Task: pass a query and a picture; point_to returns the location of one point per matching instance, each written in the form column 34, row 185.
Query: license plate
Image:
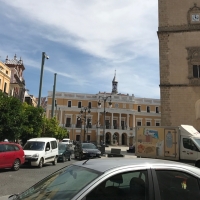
column 92, row 154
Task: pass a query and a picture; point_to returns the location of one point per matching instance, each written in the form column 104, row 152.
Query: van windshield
column 34, row 146
column 197, row 140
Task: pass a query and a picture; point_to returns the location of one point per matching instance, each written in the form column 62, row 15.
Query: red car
column 11, row 155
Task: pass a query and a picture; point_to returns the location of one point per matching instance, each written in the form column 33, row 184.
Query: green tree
column 11, row 117
column 23, row 121
column 33, row 122
column 52, row 129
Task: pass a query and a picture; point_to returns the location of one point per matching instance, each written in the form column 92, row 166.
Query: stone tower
column 179, row 53
column 114, row 84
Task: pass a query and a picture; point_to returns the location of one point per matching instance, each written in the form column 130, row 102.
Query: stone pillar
column 120, row 139
column 120, row 119
column 111, row 120
column 111, row 139
column 127, row 122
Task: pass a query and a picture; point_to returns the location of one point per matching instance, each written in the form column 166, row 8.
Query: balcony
column 68, row 125
column 78, row 125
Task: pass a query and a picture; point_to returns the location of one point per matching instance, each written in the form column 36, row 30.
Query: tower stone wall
column 179, row 52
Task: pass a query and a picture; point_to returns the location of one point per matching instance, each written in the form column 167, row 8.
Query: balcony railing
column 78, row 125
column 68, row 125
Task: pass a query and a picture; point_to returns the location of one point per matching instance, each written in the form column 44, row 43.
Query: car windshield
column 88, row 146
column 62, row 147
column 63, row 184
column 35, row 146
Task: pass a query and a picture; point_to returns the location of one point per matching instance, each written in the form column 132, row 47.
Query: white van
column 67, row 141
column 39, row 151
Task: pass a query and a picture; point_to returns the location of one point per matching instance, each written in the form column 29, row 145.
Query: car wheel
column 40, row 165
column 55, row 161
column 69, row 158
column 64, row 158
column 80, row 156
column 16, row 165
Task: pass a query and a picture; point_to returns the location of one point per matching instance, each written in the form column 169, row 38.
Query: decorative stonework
column 193, row 15
column 193, row 59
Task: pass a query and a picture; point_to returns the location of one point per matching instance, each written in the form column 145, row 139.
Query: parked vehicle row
column 36, row 152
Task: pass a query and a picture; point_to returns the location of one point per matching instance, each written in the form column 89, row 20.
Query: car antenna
column 85, row 161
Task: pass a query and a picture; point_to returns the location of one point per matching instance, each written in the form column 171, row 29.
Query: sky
column 86, row 41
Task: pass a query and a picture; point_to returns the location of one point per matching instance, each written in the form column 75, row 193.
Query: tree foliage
column 20, row 121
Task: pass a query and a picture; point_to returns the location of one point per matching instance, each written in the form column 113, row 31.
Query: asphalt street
column 14, row 182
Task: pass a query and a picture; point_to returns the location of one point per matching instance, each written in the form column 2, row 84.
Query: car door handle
column 183, row 151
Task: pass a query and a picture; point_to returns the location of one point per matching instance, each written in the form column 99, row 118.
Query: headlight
column 85, row 151
column 98, row 152
column 60, row 153
column 35, row 155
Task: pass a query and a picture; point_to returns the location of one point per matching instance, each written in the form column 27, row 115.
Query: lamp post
column 81, row 120
column 97, row 126
column 41, row 76
column 104, row 98
column 83, row 110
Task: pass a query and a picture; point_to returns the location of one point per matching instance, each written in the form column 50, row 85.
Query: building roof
column 14, row 62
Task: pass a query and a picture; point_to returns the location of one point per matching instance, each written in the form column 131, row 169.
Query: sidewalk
column 123, row 151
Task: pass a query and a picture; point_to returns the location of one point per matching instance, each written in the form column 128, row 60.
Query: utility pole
column 41, row 76
column 53, row 97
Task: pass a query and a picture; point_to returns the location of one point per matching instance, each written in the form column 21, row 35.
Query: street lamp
column 83, row 110
column 81, row 120
column 41, row 76
column 104, row 98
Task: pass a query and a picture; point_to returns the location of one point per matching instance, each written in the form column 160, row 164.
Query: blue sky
column 86, row 40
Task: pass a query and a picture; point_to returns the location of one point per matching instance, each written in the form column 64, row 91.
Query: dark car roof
column 103, row 165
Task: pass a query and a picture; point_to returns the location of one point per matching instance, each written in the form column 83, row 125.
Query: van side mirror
column 47, row 149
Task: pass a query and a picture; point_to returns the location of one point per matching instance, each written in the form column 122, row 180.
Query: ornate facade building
column 89, row 117
column 17, row 82
column 179, row 47
column 5, row 74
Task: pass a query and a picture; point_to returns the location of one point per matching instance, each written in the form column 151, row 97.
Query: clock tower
column 179, row 60
column 114, row 84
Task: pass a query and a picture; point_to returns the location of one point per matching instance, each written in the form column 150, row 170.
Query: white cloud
column 119, row 34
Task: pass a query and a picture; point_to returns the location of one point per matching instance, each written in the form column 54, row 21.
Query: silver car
column 119, row 179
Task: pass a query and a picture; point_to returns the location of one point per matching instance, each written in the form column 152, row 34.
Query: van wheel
column 55, row 161
column 16, row 165
column 40, row 165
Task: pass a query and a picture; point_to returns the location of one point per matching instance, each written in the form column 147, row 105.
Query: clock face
column 195, row 17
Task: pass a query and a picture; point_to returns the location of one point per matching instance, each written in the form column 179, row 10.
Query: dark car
column 119, row 179
column 11, row 155
column 64, row 152
column 86, row 150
